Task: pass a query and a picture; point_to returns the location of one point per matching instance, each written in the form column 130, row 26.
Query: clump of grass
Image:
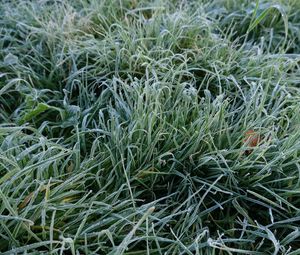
column 125, row 127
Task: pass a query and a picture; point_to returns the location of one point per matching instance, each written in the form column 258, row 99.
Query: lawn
column 149, row 127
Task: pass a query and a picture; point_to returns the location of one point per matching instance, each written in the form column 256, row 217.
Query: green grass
column 123, row 127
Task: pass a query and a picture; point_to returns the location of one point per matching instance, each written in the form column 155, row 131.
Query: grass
column 125, row 127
